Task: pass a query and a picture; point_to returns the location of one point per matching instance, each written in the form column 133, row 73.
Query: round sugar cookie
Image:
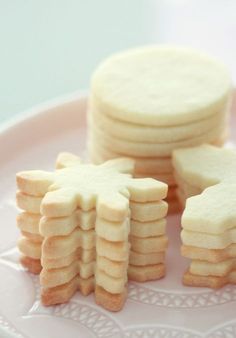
column 153, row 134
column 149, row 165
column 161, row 86
column 129, row 148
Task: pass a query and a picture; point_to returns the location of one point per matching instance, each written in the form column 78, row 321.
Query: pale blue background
column 49, row 47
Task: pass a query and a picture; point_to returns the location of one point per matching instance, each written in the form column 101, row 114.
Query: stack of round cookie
column 147, row 102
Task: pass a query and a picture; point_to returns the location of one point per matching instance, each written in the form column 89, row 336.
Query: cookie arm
column 65, row 160
column 34, row 182
column 147, row 189
column 113, row 207
column 59, row 203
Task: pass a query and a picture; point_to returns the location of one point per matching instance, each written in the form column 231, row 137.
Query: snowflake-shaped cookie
column 72, row 201
column 209, row 219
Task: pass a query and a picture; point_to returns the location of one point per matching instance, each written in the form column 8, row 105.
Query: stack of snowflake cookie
column 91, row 227
column 147, row 102
column 209, row 219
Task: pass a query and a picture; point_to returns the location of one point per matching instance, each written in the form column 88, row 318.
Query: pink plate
column 160, row 309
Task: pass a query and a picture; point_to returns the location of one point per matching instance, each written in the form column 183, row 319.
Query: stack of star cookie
column 208, row 220
column 208, row 237
column 147, row 102
column 137, row 242
column 90, row 217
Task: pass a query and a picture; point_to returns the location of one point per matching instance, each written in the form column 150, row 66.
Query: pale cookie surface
column 210, row 255
column 147, row 165
column 167, row 178
column 29, row 248
column 151, row 211
column 139, row 259
column 148, row 229
column 129, row 148
column 153, row 134
column 49, row 227
column 149, row 245
column 212, row 212
column 204, row 268
column 160, row 86
column 205, row 165
column 99, row 186
column 84, row 255
column 213, row 282
column 209, row 241
column 149, row 272
column 208, row 221
column 187, row 189
column 28, row 222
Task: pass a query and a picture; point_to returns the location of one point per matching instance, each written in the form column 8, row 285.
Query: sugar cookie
column 76, row 221
column 152, row 134
column 129, row 148
column 163, row 85
column 208, row 221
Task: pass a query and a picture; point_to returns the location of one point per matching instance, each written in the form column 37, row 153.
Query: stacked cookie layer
column 208, row 221
column 147, row 102
column 88, row 217
column 148, row 240
column 112, row 246
column 68, row 255
column 209, row 237
column 28, row 222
